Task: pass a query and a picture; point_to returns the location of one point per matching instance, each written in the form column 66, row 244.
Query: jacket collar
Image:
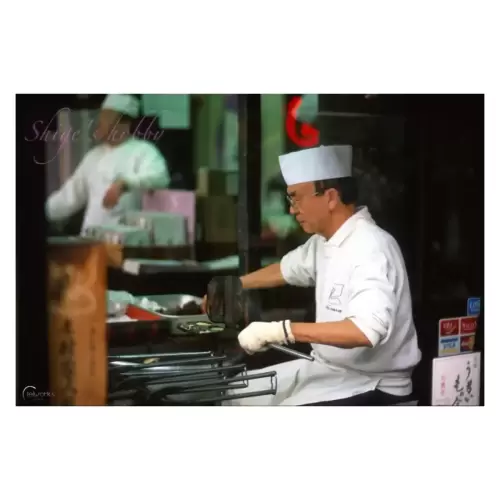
column 345, row 230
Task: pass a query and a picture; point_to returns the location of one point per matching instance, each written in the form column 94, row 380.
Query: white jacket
column 137, row 162
column 360, row 274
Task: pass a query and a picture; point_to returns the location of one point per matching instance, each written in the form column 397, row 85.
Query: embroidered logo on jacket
column 334, row 301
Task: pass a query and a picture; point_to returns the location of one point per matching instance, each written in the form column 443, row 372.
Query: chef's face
column 311, row 209
column 109, row 127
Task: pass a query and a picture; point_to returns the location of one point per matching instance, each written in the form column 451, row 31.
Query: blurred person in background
column 277, row 222
column 112, row 176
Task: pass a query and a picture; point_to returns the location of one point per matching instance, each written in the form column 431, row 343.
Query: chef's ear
column 333, row 198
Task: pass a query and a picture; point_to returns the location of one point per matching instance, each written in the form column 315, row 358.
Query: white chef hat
column 316, row 164
column 122, row 103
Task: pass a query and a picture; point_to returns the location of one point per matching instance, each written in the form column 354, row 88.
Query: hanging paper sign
column 455, row 380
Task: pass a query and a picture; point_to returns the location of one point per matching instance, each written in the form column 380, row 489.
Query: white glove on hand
column 257, row 335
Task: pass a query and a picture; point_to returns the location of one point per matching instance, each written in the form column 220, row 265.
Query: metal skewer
column 291, row 352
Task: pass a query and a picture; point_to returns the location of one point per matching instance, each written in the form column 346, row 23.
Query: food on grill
column 215, row 328
column 151, row 360
column 200, row 327
column 151, row 305
column 188, row 309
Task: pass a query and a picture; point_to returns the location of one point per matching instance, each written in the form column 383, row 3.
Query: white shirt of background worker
column 111, row 177
column 364, row 342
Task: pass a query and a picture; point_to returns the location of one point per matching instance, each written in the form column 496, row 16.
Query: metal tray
column 170, row 302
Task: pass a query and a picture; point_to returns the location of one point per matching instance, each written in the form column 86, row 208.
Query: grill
column 180, row 379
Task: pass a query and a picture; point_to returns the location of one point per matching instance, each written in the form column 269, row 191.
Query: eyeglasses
column 296, row 203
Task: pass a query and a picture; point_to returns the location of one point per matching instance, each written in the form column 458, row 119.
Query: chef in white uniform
column 364, row 342
column 112, row 176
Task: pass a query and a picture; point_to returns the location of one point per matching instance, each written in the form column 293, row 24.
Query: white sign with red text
column 455, row 380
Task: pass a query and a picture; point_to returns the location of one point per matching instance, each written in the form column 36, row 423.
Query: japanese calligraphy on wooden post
column 455, row 380
column 77, row 326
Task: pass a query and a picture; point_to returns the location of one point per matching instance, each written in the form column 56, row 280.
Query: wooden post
column 77, row 282
column 249, row 195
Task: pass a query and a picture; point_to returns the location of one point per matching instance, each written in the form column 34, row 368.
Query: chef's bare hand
column 113, row 194
column 258, row 335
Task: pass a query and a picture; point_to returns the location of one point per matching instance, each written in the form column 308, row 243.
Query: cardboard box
column 163, row 228
column 117, row 255
column 211, row 182
column 175, row 202
column 232, row 183
column 218, row 217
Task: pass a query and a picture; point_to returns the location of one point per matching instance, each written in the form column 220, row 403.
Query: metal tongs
column 229, row 304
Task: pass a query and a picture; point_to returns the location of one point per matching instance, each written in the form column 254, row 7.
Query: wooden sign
column 77, row 286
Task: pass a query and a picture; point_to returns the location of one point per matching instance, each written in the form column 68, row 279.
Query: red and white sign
column 468, row 325
column 448, row 327
column 301, row 134
column 456, row 335
column 467, row 343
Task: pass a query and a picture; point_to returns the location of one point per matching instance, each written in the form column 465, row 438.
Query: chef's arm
column 70, row 198
column 151, row 173
column 370, row 311
column 267, row 277
column 336, row 333
column 296, row 268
